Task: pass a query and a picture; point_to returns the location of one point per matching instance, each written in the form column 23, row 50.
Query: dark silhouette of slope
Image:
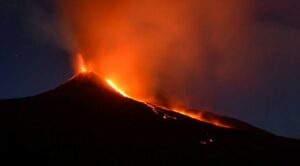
column 85, row 122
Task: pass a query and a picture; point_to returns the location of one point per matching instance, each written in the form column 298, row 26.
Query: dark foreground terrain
column 85, row 122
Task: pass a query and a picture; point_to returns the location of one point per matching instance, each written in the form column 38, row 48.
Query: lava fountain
column 80, row 66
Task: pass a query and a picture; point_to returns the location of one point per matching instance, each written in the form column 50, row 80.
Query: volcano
column 85, row 121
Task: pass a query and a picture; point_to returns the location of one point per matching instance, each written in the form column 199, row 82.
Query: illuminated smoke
column 161, row 50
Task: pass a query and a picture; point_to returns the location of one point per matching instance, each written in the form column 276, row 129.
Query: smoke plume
column 157, row 48
column 207, row 54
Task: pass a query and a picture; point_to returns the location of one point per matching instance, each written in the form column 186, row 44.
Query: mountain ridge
column 94, row 80
column 86, row 121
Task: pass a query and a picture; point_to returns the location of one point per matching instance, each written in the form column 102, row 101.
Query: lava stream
column 157, row 110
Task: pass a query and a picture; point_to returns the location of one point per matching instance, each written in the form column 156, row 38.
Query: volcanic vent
column 85, row 120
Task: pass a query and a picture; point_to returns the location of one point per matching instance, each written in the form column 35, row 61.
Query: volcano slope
column 85, row 121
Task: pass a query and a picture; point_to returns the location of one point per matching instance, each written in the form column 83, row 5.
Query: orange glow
column 198, row 116
column 81, row 67
column 155, row 51
column 113, row 85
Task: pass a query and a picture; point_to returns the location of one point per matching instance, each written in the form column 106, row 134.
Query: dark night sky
column 31, row 63
column 28, row 64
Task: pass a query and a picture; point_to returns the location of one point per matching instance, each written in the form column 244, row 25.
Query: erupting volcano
column 90, row 120
column 141, row 68
column 195, row 114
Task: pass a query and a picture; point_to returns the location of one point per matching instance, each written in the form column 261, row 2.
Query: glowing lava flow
column 158, row 110
column 200, row 116
column 110, row 83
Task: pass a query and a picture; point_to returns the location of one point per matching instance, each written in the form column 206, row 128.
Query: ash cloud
column 237, row 58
